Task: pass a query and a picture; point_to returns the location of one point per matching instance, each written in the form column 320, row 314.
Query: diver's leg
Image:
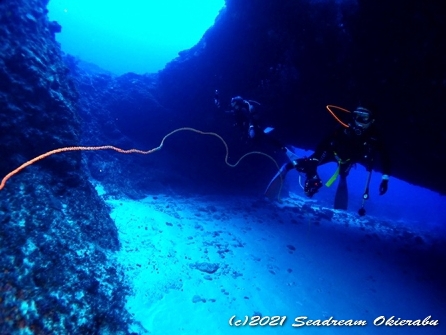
column 341, row 196
column 344, row 169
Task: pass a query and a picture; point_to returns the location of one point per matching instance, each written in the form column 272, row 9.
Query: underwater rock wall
column 122, row 111
column 295, row 57
column 57, row 271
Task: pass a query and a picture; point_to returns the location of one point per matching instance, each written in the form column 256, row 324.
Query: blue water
column 136, row 36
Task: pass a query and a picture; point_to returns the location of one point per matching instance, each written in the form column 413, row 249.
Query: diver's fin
column 291, row 155
column 254, row 102
column 275, row 185
column 341, row 197
column 267, row 130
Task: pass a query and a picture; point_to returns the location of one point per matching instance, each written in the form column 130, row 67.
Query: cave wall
column 122, row 111
column 297, row 56
column 49, row 211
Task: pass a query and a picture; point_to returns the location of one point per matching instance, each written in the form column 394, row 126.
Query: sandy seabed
column 196, row 265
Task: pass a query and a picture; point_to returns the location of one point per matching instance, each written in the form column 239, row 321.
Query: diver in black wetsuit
column 246, row 116
column 358, row 142
column 247, row 119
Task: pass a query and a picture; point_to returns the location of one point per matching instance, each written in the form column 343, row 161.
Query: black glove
column 383, row 186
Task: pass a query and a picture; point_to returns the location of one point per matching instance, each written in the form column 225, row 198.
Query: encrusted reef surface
column 57, row 270
column 295, row 57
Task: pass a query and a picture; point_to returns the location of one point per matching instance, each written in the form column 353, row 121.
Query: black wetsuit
column 346, row 146
column 245, row 118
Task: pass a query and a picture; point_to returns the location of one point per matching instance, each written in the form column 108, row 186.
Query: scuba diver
column 246, row 116
column 247, row 119
column 355, row 142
